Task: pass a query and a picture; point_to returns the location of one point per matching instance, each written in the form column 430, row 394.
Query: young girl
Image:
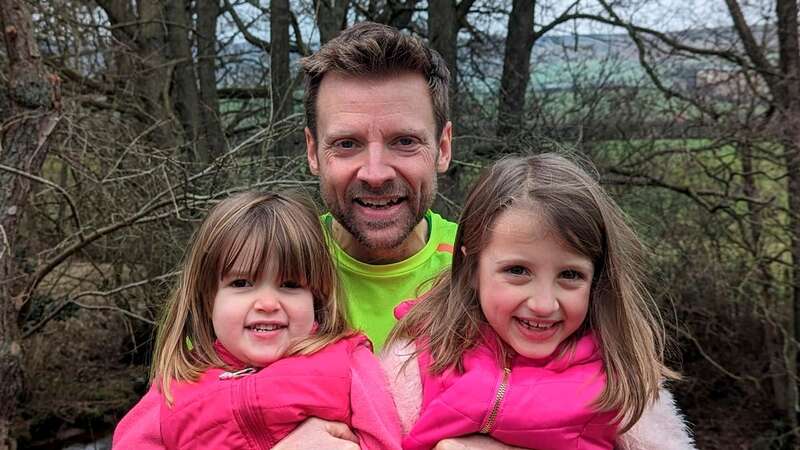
column 541, row 335
column 254, row 340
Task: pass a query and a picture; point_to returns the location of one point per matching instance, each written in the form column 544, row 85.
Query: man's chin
column 387, row 238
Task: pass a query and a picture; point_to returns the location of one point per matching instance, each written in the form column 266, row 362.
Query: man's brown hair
column 370, row 48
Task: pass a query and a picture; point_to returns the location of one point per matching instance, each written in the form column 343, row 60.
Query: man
column 377, row 135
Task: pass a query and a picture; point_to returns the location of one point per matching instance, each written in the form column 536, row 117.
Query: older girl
column 542, row 334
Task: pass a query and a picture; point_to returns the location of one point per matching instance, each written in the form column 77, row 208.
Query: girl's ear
column 464, row 250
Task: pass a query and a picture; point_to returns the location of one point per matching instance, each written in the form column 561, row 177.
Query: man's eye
column 346, row 144
column 405, row 141
column 517, row 270
column 240, row 283
column 572, row 275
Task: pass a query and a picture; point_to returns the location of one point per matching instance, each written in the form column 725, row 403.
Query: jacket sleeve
column 405, row 383
column 374, row 416
column 141, row 426
column 661, row 427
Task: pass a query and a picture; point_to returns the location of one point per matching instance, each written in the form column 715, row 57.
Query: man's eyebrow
column 410, row 130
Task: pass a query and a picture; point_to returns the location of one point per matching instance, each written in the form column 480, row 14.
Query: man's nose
column 377, row 169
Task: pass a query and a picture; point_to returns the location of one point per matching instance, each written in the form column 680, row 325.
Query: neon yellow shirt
column 373, row 291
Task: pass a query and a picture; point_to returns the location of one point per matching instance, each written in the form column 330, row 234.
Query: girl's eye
column 290, row 284
column 517, row 270
column 572, row 275
column 240, row 283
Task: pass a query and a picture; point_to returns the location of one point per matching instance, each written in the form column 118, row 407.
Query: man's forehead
column 394, row 98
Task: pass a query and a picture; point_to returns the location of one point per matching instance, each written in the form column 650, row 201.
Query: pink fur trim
column 405, row 383
column 661, row 427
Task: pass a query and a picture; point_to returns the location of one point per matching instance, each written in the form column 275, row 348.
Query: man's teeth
column 536, row 325
column 379, row 203
column 265, row 328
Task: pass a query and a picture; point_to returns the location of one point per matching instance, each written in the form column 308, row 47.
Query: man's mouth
column 379, row 203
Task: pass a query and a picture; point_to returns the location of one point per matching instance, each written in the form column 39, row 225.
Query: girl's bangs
column 261, row 244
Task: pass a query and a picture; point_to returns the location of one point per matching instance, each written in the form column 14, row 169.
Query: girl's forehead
column 523, row 223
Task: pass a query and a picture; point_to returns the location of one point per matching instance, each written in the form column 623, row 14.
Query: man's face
column 377, row 154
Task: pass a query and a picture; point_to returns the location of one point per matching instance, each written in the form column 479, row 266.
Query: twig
column 49, row 183
column 73, row 300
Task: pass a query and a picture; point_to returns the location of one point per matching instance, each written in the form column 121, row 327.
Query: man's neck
column 415, row 241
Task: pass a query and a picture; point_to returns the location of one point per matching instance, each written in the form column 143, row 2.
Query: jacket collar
column 227, row 357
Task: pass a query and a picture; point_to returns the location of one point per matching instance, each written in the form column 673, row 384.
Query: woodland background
column 124, row 120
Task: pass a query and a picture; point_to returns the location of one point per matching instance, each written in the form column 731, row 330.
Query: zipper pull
column 236, row 374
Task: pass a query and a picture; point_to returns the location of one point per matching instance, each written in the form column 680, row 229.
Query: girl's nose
column 542, row 300
column 267, row 301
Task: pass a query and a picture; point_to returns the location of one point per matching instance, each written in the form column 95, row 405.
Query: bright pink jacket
column 545, row 404
column 661, row 426
column 342, row 382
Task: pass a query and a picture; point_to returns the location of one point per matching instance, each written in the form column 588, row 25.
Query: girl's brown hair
column 622, row 313
column 244, row 234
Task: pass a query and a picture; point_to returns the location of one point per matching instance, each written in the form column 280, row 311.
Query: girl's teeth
column 534, row 325
column 265, row 328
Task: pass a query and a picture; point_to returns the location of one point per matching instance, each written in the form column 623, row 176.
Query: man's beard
column 405, row 221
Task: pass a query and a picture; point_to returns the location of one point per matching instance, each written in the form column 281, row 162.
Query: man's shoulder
column 442, row 230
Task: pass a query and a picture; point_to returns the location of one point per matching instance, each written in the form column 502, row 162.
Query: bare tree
column 445, row 20
column 280, row 79
column 34, row 102
column 331, row 17
column 207, row 14
column 516, row 67
column 185, row 93
column 757, row 69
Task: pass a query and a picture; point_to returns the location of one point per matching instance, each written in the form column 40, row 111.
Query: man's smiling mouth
column 378, row 203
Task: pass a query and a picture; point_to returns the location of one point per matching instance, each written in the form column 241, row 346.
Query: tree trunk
column 207, row 13
column 185, row 95
column 331, row 18
column 34, row 101
column 153, row 80
column 280, row 80
column 516, row 67
column 395, row 13
column 792, row 156
column 140, row 62
column 789, row 95
column 442, row 35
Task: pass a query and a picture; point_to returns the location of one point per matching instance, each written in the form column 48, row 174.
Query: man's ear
column 311, row 152
column 445, row 148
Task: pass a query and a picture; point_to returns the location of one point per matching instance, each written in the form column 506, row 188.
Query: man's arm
column 474, row 442
column 318, row 433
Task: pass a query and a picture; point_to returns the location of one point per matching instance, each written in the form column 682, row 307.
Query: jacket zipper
column 498, row 400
